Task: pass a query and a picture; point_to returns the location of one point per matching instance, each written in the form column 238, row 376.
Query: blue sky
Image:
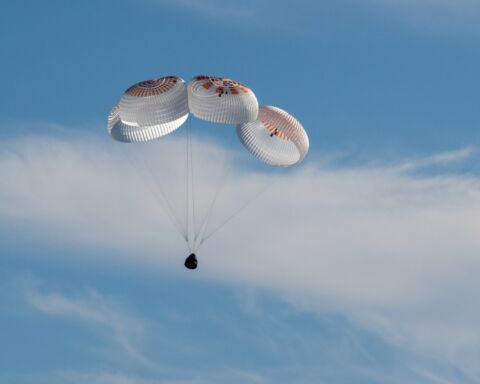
column 360, row 265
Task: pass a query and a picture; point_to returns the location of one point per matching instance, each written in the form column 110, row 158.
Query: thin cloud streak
column 443, row 158
column 429, row 15
column 215, row 9
column 114, row 378
column 444, row 17
column 433, row 378
column 95, row 309
column 222, row 376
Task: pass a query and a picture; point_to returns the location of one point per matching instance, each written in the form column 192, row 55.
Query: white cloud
column 221, row 376
column 93, row 308
column 225, row 11
column 432, row 4
column 433, row 378
column 295, row 16
column 434, row 15
column 113, row 378
column 443, row 158
column 396, row 252
column 248, row 14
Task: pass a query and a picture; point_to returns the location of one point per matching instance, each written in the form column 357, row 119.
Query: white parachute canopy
column 276, row 137
column 221, row 100
column 149, row 110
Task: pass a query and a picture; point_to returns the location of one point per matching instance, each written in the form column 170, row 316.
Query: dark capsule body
column 191, row 261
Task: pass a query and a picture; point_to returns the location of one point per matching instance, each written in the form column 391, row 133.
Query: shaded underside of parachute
column 276, row 137
column 149, row 110
column 127, row 133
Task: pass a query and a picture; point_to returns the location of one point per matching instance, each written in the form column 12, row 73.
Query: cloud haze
column 394, row 251
column 93, row 308
column 429, row 15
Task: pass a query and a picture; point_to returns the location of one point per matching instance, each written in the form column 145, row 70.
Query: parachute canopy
column 276, row 137
column 221, row 100
column 149, row 110
column 154, row 108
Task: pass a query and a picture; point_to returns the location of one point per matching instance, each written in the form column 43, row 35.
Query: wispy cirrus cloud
column 433, row 15
column 434, row 378
column 223, row 11
column 70, row 377
column 394, row 252
column 123, row 329
column 429, row 15
column 230, row 376
column 439, row 159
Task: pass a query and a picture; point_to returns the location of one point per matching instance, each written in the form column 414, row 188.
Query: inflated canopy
column 153, row 108
column 221, row 100
column 276, row 137
column 149, row 109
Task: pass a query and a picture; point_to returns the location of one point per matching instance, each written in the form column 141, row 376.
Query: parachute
column 276, row 137
column 151, row 109
column 238, row 104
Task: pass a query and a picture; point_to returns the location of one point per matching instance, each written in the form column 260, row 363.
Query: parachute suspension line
column 193, row 185
column 190, row 206
column 221, row 183
column 187, row 190
column 226, row 221
column 163, row 201
column 171, row 212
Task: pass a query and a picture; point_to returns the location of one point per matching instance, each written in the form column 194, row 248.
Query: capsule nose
column 191, row 261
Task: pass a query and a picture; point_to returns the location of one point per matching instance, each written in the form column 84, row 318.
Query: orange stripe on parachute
column 274, row 130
